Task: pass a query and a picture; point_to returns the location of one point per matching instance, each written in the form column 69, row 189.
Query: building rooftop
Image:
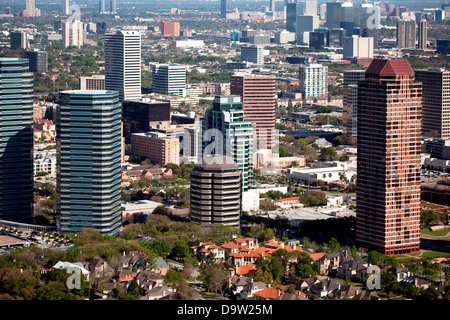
column 390, row 67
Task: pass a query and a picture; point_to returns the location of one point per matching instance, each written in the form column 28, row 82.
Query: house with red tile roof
column 205, row 249
column 268, row 293
column 243, row 270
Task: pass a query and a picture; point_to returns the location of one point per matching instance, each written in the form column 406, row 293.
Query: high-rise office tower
column 350, row 102
column 272, row 5
column 313, row 80
column 225, row 131
column 435, row 102
column 170, row 29
column 258, row 99
column 88, row 180
column 356, row 46
column 216, row 197
column 169, row 79
column 19, row 40
column 252, row 53
column 406, row 34
column 123, row 64
column 310, row 7
column 101, row 7
column 31, row 7
column 333, row 14
column 223, row 9
column 388, row 168
column 369, row 21
column 422, row 31
column 65, row 8
column 95, row 82
column 293, row 10
column 16, row 140
column 305, row 24
column 72, row 33
column 38, row 60
column 113, row 8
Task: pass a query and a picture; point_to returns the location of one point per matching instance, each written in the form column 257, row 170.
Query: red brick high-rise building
column 258, row 99
column 170, row 29
column 388, row 170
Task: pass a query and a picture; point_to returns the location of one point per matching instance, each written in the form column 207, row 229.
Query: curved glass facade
column 88, row 161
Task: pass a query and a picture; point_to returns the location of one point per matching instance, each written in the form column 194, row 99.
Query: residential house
column 99, row 268
column 147, row 280
column 415, row 281
column 205, row 250
column 268, row 293
column 330, row 262
column 78, row 266
column 243, row 270
column 158, row 292
column 126, row 275
column 304, row 284
column 292, row 296
column 345, row 291
column 237, row 284
column 250, row 288
column 353, row 269
column 161, row 266
column 325, row 287
column 366, row 295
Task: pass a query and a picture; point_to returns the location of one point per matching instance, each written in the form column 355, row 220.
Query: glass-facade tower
column 88, row 161
column 16, row 140
column 233, row 136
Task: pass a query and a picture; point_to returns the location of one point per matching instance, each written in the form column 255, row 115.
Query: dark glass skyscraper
column 16, row 140
column 88, row 161
column 292, row 11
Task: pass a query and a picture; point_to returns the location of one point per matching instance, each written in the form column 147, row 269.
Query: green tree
column 428, row 217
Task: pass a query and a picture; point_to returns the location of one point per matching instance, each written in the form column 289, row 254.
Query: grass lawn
column 212, row 296
column 437, row 233
column 435, row 254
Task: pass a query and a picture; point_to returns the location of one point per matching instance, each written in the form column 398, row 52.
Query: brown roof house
column 99, row 268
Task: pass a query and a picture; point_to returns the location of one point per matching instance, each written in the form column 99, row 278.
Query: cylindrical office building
column 216, row 192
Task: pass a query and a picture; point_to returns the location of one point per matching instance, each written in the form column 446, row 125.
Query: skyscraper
column 38, row 61
column 72, row 33
column 313, row 80
column 310, row 7
column 31, row 7
column 305, row 24
column 88, row 161
column 258, row 100
column 16, row 140
column 169, row 79
column 388, row 168
column 101, row 7
column 435, row 102
column 293, row 9
column 406, row 34
column 223, row 9
column 422, row 31
column 272, row 5
column 65, row 7
column 252, row 53
column 216, row 197
column 123, row 64
column 113, row 7
column 19, row 39
column 350, row 102
column 333, row 14
column 356, row 46
column 225, row 131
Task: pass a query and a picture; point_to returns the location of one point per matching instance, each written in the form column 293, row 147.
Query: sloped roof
column 269, row 293
column 392, row 67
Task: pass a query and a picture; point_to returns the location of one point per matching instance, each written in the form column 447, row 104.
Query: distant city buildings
column 38, row 61
column 252, row 53
column 422, row 34
column 223, row 9
column 16, row 140
column 389, row 162
column 73, row 33
column 435, row 102
column 358, row 47
column 95, row 82
column 170, row 29
column 65, row 11
column 88, row 161
column 123, row 64
column 258, row 100
column 19, row 40
column 157, row 147
column 406, row 34
column 305, row 24
column 169, row 79
column 313, row 80
column 350, row 102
